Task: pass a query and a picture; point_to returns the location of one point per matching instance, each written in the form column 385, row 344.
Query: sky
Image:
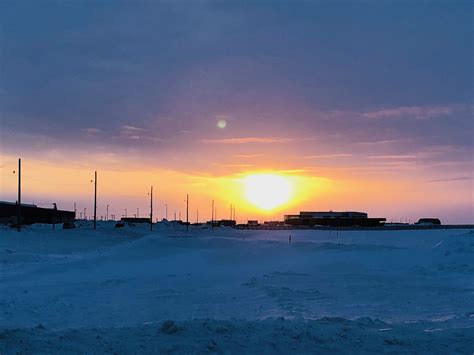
column 361, row 105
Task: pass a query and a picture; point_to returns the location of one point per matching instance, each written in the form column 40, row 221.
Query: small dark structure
column 69, row 225
column 135, row 219
column 222, row 223
column 252, row 223
column 274, row 223
column 33, row 214
column 333, row 219
column 429, row 222
column 226, row 223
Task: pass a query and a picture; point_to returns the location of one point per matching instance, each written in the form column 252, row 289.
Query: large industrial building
column 33, row 214
column 333, row 219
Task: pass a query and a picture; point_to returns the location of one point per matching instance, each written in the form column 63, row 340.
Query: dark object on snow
column 119, row 225
column 69, row 225
column 429, row 222
column 169, row 327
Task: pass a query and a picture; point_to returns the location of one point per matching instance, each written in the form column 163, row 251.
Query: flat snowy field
column 233, row 291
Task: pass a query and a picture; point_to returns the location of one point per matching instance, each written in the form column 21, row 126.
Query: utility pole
column 230, row 212
column 151, row 208
column 166, row 209
column 125, row 213
column 75, row 211
column 187, row 212
column 95, row 199
column 85, row 208
column 107, row 214
column 212, row 215
column 138, row 212
column 19, row 194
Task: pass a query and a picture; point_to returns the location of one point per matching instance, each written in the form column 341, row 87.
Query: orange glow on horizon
column 256, row 194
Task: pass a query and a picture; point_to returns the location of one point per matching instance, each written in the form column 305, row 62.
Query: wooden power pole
column 187, row 213
column 151, row 208
column 19, row 194
column 95, row 199
column 212, row 215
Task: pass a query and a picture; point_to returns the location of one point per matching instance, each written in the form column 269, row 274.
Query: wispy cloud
column 248, row 155
column 460, row 178
column 234, row 165
column 418, row 112
column 327, row 156
column 245, row 140
column 128, row 128
column 383, row 141
column 131, row 132
column 91, row 130
column 393, row 157
column 138, row 133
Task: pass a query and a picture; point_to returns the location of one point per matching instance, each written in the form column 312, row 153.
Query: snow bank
column 110, row 290
column 323, row 336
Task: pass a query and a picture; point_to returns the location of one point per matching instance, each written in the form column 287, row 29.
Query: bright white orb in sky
column 221, row 123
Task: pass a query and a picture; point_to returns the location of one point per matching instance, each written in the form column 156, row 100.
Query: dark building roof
column 33, row 214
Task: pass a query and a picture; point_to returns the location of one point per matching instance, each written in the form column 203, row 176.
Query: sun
column 267, row 191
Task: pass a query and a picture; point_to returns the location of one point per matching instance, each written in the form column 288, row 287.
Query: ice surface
column 235, row 291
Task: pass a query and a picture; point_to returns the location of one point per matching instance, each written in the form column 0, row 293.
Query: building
column 429, row 222
column 136, row 219
column 333, row 219
column 222, row 223
column 274, row 223
column 33, row 214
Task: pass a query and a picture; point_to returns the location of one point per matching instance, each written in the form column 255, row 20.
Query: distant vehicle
column 428, row 222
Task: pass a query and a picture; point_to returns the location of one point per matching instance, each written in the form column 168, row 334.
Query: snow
column 130, row 290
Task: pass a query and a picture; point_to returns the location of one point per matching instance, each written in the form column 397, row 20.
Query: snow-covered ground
column 134, row 291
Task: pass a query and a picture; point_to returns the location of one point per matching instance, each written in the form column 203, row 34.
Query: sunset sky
column 356, row 105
